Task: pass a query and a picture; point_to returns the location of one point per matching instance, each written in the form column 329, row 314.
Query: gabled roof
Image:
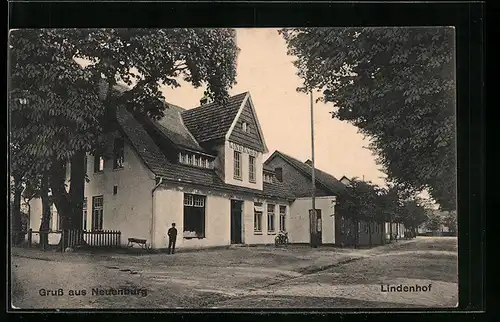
column 345, row 178
column 155, row 160
column 212, row 121
column 323, row 178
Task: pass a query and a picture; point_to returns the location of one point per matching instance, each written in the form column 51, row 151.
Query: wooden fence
column 72, row 238
column 100, row 238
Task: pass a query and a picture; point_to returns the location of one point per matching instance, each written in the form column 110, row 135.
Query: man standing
column 172, row 236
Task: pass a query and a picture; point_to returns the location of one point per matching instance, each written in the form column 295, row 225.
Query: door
column 236, row 227
column 319, row 223
column 315, row 227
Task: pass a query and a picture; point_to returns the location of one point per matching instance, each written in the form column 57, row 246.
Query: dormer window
column 268, row 178
column 195, row 160
column 244, row 127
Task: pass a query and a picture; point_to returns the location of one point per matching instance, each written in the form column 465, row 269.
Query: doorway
column 236, row 227
column 316, row 228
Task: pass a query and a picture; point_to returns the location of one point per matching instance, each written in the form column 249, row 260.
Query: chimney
column 279, row 174
column 308, row 162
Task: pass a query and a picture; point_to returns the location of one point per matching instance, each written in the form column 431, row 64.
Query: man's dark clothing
column 172, row 236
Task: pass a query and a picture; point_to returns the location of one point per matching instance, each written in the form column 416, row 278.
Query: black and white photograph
column 233, row 168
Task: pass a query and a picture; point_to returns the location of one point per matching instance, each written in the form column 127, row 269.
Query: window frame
column 257, row 219
column 118, row 160
column 97, row 220
column 237, row 165
column 252, row 173
column 271, row 218
column 191, row 202
column 84, row 213
column 98, row 162
column 282, row 223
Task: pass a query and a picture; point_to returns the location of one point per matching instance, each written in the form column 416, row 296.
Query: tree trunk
column 46, row 214
column 77, row 195
column 77, row 189
column 69, row 204
column 61, row 198
column 370, row 234
column 16, row 234
column 356, row 234
column 390, row 231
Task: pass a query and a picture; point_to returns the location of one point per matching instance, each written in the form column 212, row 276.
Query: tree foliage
column 450, row 221
column 397, row 86
column 412, row 214
column 434, row 221
column 365, row 202
column 358, row 202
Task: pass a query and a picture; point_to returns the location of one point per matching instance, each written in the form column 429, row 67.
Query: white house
column 202, row 169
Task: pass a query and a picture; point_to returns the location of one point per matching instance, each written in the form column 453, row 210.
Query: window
column 85, row 164
column 118, row 153
column 279, row 174
column 282, row 218
column 268, row 178
column 194, row 216
column 84, row 213
column 270, row 218
column 237, row 165
column 257, row 217
column 195, row 160
column 98, row 162
column 251, row 165
column 244, row 127
column 97, row 212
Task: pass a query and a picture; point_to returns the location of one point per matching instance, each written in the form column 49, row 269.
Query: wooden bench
column 136, row 241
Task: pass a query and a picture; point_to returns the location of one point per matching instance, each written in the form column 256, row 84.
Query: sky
column 266, row 71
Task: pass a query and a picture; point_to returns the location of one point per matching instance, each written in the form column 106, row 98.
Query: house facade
column 203, row 170
column 334, row 229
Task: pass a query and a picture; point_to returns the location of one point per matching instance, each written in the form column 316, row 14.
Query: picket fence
column 94, row 239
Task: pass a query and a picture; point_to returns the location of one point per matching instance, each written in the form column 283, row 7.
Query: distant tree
column 450, row 221
column 414, row 213
column 358, row 203
column 434, row 221
column 389, row 206
column 397, row 86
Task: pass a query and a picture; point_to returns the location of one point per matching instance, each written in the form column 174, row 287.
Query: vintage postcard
column 233, row 168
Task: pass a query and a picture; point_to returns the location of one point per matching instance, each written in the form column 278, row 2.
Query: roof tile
column 154, row 159
column 322, row 177
column 212, row 121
